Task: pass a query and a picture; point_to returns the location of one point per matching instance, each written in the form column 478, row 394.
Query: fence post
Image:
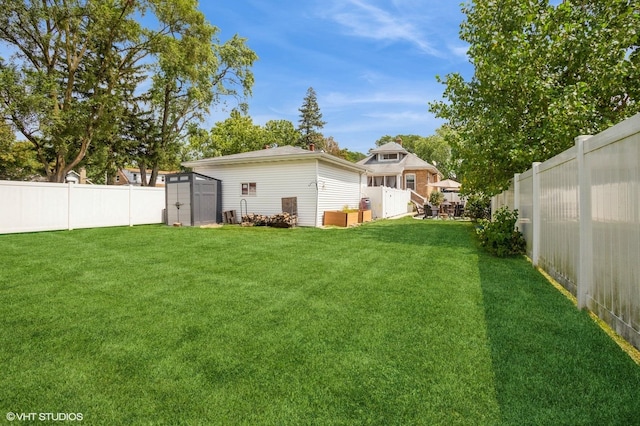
column 130, row 207
column 516, row 195
column 535, row 244
column 69, row 206
column 585, row 262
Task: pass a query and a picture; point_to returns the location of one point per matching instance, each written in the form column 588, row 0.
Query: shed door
column 205, row 195
column 179, row 203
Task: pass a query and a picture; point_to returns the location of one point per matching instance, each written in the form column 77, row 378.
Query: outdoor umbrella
column 449, row 184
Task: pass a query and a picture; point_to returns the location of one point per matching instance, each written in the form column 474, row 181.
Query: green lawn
column 394, row 322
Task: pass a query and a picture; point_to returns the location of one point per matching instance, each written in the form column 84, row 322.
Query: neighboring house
column 393, row 166
column 75, row 177
column 131, row 176
column 274, row 180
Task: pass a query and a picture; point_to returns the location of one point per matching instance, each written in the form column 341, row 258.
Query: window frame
column 248, row 189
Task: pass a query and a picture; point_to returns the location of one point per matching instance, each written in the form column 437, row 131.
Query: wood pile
column 280, row 220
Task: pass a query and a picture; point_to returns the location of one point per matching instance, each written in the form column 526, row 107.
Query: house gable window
column 248, row 188
column 388, row 156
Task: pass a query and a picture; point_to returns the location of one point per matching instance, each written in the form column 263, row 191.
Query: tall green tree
column 234, row 135
column 310, row 122
column 17, row 158
column 79, row 65
column 543, row 75
column 238, row 134
column 281, row 132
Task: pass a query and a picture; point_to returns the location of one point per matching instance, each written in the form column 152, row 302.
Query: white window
column 388, row 156
column 410, row 181
column 388, row 181
column 248, row 188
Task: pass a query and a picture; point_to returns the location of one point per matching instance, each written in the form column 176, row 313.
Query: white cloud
column 363, row 19
column 459, row 51
column 336, row 100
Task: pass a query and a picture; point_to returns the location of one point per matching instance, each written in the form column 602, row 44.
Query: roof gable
column 390, row 148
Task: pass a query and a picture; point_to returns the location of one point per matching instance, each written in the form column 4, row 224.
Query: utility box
column 193, row 199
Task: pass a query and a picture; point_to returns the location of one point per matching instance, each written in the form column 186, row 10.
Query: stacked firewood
column 280, row 220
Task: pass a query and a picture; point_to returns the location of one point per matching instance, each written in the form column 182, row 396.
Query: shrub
column 501, row 237
column 436, row 198
column 477, row 207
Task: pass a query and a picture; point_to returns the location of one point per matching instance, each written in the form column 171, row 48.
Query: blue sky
column 372, row 63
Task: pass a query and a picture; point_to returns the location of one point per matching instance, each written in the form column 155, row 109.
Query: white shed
column 317, row 181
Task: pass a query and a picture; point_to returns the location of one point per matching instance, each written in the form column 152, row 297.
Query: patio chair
column 417, row 207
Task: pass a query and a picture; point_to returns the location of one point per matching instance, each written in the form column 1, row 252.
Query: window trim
column 406, row 181
column 248, row 189
column 382, row 155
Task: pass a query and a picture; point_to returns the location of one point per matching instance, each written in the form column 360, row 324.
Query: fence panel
column 387, row 202
column 580, row 215
column 525, row 209
column 92, row 207
column 615, row 201
column 38, row 206
column 559, row 220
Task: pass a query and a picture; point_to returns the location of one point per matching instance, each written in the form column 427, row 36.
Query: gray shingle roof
column 408, row 161
column 280, row 153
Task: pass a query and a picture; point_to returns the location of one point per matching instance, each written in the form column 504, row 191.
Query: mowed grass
column 394, row 322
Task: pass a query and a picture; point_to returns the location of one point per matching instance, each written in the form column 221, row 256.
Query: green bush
column 477, row 207
column 436, row 198
column 501, row 237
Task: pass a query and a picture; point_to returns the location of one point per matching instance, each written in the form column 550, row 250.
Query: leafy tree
column 239, row 134
column 236, row 134
column 17, row 158
column 543, row 75
column 199, row 144
column 62, row 87
column 352, row 156
column 78, row 64
column 281, row 132
column 310, row 120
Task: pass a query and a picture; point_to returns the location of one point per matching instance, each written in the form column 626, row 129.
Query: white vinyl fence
column 387, row 202
column 580, row 214
column 38, row 206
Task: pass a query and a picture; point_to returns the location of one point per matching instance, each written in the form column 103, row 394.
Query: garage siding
column 337, row 188
column 274, row 181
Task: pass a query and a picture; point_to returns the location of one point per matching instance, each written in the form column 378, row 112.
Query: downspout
column 317, row 192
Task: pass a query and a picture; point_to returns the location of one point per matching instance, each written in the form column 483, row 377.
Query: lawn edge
column 627, row 347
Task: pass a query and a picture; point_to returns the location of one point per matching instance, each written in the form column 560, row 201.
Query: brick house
column 393, row 166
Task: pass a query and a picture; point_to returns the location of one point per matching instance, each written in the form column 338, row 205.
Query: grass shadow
column 552, row 363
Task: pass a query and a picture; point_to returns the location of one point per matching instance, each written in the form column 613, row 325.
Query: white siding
column 318, row 186
column 337, row 188
column 274, row 181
